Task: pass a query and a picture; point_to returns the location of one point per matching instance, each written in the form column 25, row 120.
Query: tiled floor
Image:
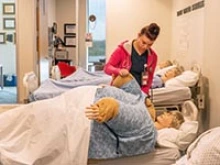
column 10, row 89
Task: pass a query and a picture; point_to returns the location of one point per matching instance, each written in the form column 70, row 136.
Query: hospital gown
column 131, row 132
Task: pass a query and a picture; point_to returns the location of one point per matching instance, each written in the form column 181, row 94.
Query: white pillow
column 186, row 79
column 30, row 81
column 167, row 137
column 181, row 138
column 187, row 134
column 189, row 111
column 164, row 70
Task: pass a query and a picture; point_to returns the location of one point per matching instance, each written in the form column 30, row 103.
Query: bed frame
column 200, row 97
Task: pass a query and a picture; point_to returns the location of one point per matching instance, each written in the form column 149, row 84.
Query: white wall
column 125, row 18
column 66, row 13
column 51, row 12
column 188, row 34
column 196, row 39
column 211, row 57
column 7, row 50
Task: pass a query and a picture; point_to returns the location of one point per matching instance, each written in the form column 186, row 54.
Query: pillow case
column 186, row 79
column 167, row 137
column 30, row 81
column 164, row 70
column 186, row 134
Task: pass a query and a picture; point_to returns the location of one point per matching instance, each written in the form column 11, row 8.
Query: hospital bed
column 51, row 87
column 190, row 85
column 178, row 89
column 171, row 143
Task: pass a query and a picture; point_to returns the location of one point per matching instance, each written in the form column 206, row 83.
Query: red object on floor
column 66, row 69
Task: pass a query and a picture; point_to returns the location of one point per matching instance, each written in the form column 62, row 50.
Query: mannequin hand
column 103, row 110
column 92, row 112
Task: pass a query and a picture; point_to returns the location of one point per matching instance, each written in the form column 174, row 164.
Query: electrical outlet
column 201, row 101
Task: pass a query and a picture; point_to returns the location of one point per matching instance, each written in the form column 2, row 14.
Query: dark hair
column 151, row 31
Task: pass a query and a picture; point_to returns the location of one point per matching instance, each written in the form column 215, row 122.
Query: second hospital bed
column 160, row 96
column 51, row 88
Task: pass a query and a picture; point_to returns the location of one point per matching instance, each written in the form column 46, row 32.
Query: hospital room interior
column 44, row 43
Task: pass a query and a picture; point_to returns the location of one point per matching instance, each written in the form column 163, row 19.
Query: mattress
column 170, row 95
column 161, row 156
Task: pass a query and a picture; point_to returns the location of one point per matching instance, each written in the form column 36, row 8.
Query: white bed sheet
column 170, row 95
column 34, row 134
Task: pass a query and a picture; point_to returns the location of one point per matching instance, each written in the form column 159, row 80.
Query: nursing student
column 136, row 57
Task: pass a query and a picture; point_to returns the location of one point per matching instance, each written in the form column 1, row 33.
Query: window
column 97, row 27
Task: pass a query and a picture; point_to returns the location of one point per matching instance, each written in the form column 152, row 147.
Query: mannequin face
column 170, row 73
column 165, row 119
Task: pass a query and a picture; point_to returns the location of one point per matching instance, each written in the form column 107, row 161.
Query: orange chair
column 65, row 69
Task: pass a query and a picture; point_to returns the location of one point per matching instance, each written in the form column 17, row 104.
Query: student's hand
column 124, row 72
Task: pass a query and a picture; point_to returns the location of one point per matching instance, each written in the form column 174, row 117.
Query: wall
column 51, row 12
column 188, row 31
column 66, row 13
column 7, row 50
column 196, row 39
column 125, row 18
column 211, row 57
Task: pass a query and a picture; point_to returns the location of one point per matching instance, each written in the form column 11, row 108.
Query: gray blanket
column 51, row 88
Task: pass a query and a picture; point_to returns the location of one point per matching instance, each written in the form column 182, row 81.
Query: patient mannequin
column 108, row 108
column 159, row 81
column 124, row 126
column 170, row 119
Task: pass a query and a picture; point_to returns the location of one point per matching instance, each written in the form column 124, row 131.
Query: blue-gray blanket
column 51, row 88
column 131, row 132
